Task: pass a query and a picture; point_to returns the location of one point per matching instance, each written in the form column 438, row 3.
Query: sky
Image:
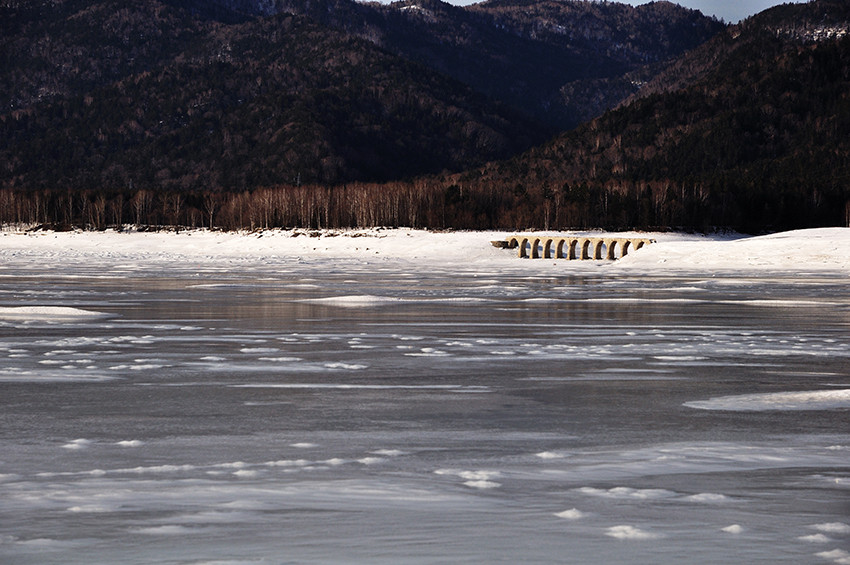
column 730, row 11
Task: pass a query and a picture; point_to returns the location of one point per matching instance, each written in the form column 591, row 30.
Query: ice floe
column 571, row 514
column 48, row 313
column 626, row 532
column 799, row 400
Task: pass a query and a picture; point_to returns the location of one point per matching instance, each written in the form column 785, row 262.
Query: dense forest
column 747, row 131
column 198, row 96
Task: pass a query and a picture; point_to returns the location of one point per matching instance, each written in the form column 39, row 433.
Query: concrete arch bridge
column 573, row 247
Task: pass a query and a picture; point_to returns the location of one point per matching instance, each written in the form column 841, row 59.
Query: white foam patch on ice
column 48, row 313
column 708, row 498
column 482, row 484
column 571, row 514
column 474, row 479
column 288, row 463
column 389, row 452
column 353, row 301
column 77, row 444
column 229, row 562
column 92, row 509
column 168, row 530
column 782, row 303
column 550, row 455
column 15, row 376
column 628, row 492
column 130, row 443
column 157, row 469
column 429, row 352
column 280, row 359
column 832, row 527
column 626, row 532
column 346, row 366
column 836, row 556
column 44, row 543
column 801, row 400
column 333, row 386
column 815, row 538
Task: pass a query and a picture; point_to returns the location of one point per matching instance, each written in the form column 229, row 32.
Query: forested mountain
column 750, row 131
column 561, row 61
column 163, row 101
column 193, row 112
column 237, row 94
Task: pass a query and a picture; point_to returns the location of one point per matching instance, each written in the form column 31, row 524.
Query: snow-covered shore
column 824, row 250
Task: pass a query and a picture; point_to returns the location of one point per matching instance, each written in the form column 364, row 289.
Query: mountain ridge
column 746, row 131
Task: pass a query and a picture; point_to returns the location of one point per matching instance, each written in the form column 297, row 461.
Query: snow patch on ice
column 48, row 313
column 836, row 556
column 168, row 530
column 801, row 400
column 571, row 514
column 626, row 532
column 130, row 443
column 628, row 492
column 346, row 366
column 389, row 452
column 353, row 301
column 832, row 527
column 91, row 508
column 77, row 444
column 815, row 538
column 708, row 497
column 550, row 455
column 474, row 479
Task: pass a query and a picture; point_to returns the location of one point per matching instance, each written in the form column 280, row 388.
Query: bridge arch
column 559, row 249
column 599, row 249
column 613, row 247
column 535, row 248
column 555, row 247
column 522, row 243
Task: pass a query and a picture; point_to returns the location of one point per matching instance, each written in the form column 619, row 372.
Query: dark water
column 387, row 414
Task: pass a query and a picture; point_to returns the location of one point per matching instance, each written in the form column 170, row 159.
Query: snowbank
column 825, row 250
column 801, row 251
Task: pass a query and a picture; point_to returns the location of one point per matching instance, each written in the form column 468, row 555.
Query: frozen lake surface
column 168, row 405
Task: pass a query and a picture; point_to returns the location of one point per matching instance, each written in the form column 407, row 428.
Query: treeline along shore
column 460, row 202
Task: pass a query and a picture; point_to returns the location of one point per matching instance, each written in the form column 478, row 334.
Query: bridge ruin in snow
column 573, row 247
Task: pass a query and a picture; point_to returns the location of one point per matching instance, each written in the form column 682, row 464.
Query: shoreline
column 818, row 250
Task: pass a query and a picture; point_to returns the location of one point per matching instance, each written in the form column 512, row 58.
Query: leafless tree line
column 413, row 204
